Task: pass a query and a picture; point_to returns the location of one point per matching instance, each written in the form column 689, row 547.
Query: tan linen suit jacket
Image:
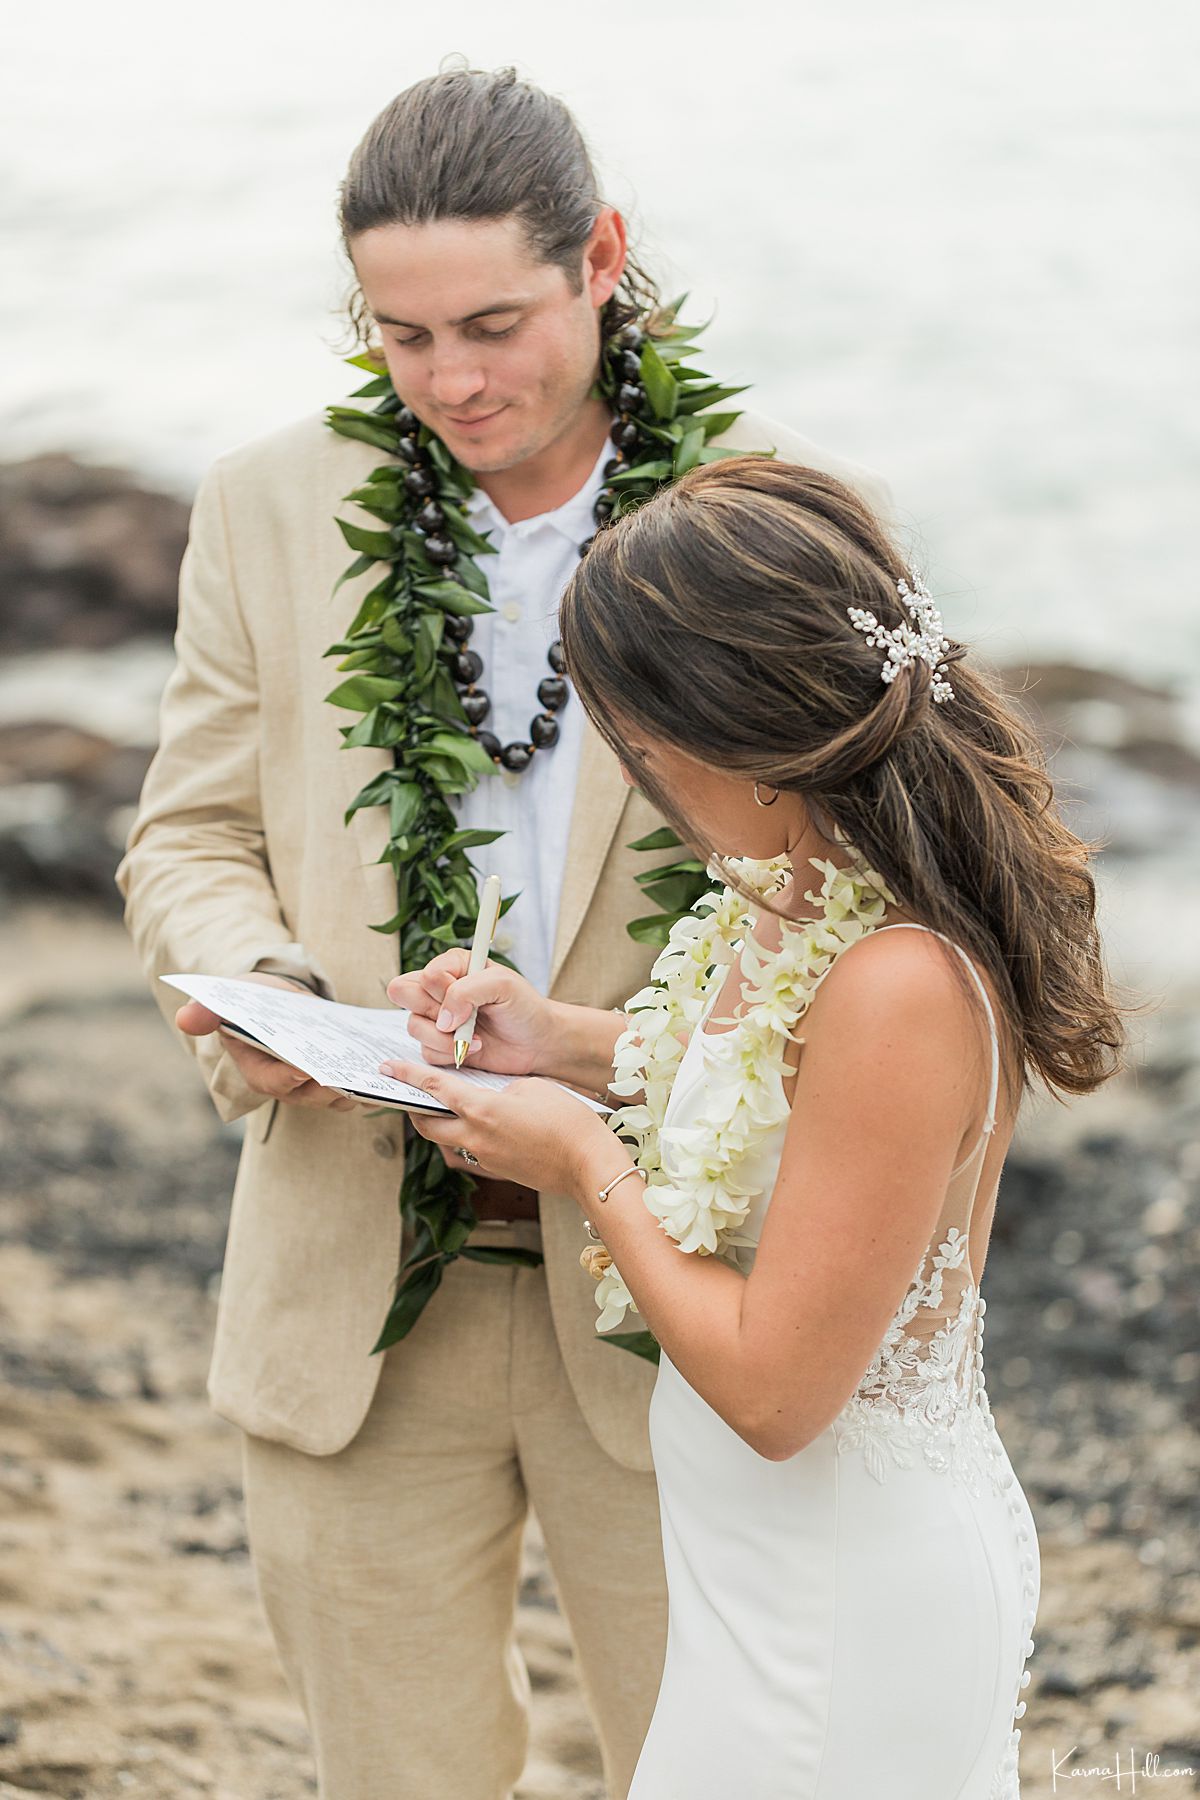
column 238, row 857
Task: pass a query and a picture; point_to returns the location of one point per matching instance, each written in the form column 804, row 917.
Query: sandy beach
column 134, row 1660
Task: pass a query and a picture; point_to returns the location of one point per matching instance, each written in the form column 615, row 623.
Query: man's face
column 489, row 346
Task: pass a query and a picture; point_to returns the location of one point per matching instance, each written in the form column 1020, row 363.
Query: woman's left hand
column 533, row 1131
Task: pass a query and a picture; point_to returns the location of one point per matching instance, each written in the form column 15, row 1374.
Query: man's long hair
column 482, row 144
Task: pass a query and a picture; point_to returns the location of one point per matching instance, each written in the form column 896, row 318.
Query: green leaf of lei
column 397, row 656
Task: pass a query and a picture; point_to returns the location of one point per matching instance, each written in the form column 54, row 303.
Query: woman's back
column 849, row 1580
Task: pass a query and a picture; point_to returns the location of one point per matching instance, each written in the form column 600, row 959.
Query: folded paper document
column 338, row 1045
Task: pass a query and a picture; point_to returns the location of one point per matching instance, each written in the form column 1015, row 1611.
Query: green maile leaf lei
column 397, row 659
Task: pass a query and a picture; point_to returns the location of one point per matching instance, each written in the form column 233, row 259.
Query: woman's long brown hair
column 714, row 618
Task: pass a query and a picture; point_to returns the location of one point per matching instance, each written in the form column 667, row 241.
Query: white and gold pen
column 481, row 943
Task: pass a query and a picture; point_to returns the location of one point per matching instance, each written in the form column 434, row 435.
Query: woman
column 852, row 1565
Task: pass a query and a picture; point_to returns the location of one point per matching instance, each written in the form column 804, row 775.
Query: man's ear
column 604, row 255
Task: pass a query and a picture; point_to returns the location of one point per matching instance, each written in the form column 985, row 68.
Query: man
column 386, row 1495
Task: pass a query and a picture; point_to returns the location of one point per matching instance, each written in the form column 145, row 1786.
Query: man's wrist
column 304, row 987
column 291, row 962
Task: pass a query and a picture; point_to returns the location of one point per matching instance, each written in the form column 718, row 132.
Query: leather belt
column 495, row 1199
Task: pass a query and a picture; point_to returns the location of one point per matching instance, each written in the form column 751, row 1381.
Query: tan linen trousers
column 388, row 1572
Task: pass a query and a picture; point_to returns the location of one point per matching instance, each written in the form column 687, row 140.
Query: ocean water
column 953, row 242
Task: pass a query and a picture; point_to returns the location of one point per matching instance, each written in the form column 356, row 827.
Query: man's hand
column 262, row 1072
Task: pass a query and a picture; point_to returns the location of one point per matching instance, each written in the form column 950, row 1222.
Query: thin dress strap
column 989, row 1122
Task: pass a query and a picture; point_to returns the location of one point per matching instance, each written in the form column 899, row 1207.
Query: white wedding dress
column 852, row 1623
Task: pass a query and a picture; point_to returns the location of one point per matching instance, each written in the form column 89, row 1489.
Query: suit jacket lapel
column 600, row 795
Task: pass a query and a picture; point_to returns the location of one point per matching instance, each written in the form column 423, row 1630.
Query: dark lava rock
column 89, row 556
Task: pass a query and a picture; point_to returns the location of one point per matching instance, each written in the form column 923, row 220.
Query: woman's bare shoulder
column 904, row 977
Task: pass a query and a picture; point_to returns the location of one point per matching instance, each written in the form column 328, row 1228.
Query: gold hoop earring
column 760, row 799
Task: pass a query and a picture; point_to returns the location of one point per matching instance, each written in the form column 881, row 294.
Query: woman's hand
column 513, row 1027
column 533, row 1132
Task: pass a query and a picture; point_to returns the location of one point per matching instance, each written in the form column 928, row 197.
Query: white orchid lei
column 700, row 1200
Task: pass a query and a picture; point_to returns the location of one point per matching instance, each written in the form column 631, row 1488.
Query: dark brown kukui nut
column 625, row 435
column 476, row 705
column 544, row 730
column 517, row 757
column 440, row 550
column 431, row 517
column 555, row 657
column 467, row 666
column 630, row 396
column 552, row 692
column 419, row 482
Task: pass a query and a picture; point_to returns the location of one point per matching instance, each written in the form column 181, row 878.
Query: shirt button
column 503, row 941
column 512, row 611
column 384, row 1146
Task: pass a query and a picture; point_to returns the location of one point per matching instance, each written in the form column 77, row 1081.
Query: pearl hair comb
column 925, row 638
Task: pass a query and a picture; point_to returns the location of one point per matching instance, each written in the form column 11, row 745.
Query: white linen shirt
column 525, row 580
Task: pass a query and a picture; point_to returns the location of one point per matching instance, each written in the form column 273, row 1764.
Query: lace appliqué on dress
column 925, row 1397
column 1006, row 1784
